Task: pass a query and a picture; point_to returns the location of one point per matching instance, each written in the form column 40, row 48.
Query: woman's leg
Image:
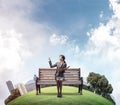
column 36, row 90
column 60, row 88
column 58, row 85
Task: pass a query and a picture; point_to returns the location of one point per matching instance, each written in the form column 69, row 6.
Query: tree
column 109, row 89
column 93, row 80
column 100, row 84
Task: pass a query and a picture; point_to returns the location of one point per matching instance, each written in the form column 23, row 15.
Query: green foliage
column 109, row 88
column 93, row 79
column 70, row 97
column 100, row 84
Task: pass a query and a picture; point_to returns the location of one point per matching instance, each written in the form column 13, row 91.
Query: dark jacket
column 60, row 68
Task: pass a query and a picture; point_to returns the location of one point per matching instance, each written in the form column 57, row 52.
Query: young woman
column 59, row 75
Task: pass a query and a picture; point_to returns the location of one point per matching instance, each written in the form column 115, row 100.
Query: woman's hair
column 63, row 57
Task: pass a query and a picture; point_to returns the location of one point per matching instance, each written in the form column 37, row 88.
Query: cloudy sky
column 87, row 32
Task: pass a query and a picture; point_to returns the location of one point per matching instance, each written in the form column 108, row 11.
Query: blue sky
column 72, row 18
column 85, row 31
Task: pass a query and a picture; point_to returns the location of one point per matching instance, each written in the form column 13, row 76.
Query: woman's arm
column 65, row 65
column 63, row 69
column 50, row 63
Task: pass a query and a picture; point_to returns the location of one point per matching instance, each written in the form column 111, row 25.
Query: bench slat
column 52, row 79
column 54, row 75
column 45, row 72
column 47, row 76
column 64, row 82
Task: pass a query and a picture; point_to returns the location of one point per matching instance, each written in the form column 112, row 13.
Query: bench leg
column 78, row 88
column 39, row 89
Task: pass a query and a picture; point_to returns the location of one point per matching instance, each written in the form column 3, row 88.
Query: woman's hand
column 67, row 67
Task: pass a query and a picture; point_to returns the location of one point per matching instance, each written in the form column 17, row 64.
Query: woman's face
column 60, row 58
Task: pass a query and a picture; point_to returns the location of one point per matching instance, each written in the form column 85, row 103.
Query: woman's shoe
column 58, row 95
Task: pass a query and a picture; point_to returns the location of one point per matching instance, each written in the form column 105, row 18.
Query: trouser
column 59, row 87
column 38, row 89
column 80, row 89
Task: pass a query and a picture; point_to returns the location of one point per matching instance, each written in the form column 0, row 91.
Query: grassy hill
column 70, row 97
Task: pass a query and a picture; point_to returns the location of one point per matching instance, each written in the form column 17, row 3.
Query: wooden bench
column 72, row 77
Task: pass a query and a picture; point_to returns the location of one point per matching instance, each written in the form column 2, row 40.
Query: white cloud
column 12, row 56
column 104, row 42
column 115, row 6
column 102, row 52
column 16, row 8
column 73, row 48
column 101, row 14
column 25, row 38
column 11, row 49
column 58, row 39
column 20, row 39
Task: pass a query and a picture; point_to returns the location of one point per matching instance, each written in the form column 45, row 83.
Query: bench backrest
column 46, row 76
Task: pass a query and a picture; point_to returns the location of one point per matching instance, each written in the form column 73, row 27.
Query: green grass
column 70, row 97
